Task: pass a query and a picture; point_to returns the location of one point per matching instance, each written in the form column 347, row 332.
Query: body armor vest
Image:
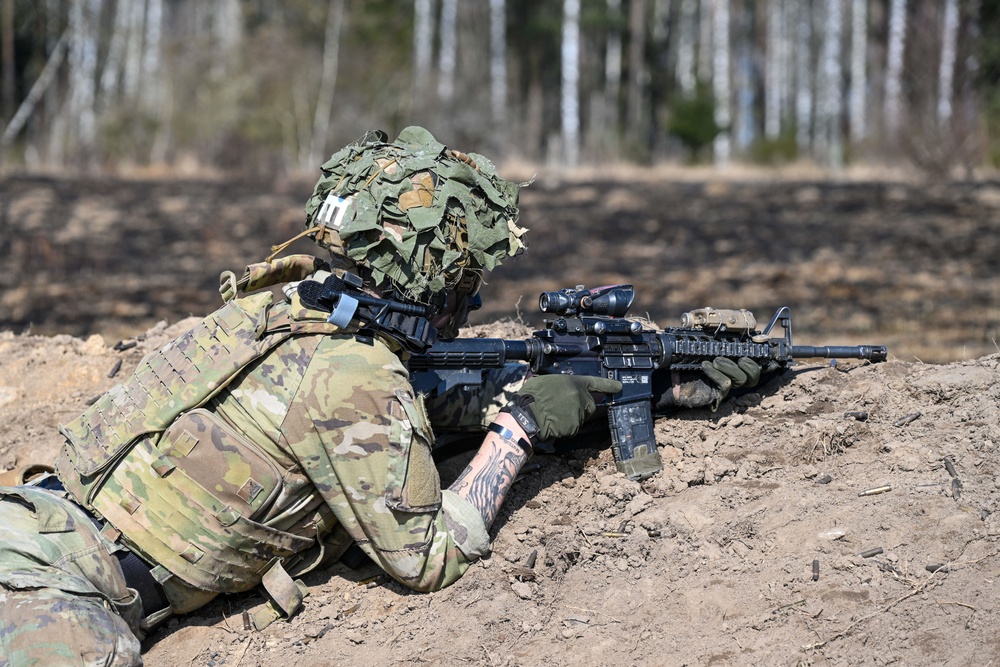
column 180, row 485
column 122, row 454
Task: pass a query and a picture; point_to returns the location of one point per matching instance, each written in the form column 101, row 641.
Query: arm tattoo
column 487, row 478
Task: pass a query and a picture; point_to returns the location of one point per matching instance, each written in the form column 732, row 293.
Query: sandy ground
column 710, row 562
column 754, row 546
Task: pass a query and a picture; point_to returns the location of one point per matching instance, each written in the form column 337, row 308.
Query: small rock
column 522, row 590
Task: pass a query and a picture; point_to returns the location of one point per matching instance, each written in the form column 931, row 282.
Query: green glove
column 558, row 404
column 728, row 374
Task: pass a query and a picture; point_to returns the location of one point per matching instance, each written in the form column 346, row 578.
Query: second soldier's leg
column 59, row 629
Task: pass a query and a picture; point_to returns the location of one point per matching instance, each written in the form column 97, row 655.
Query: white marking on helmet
column 334, row 210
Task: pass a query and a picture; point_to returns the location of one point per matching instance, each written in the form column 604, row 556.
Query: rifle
column 590, row 335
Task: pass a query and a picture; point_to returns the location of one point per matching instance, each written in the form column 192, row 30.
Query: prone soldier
column 280, row 431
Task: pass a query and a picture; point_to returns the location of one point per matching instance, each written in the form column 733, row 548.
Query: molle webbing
column 182, row 375
column 112, row 465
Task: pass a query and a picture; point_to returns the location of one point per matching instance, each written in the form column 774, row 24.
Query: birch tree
column 803, row 76
column 112, row 73
column 449, row 48
column 327, row 85
column 152, row 56
column 687, row 30
column 720, row 80
column 894, row 67
column 706, row 61
column 946, row 73
column 9, row 69
column 636, row 67
column 857, row 97
column 829, row 138
column 774, row 69
column 613, row 62
column 570, row 101
column 423, row 45
column 84, row 21
column 133, row 48
column 744, row 125
column 498, row 61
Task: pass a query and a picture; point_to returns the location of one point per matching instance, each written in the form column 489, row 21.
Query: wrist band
column 524, row 419
column 509, row 436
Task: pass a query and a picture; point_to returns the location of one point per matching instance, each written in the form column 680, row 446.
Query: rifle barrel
column 870, row 352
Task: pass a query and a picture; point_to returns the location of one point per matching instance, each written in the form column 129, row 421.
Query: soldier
column 277, row 432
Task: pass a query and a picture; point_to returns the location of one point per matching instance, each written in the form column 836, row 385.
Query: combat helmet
column 412, row 217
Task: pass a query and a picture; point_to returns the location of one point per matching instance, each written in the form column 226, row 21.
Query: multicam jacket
column 261, row 443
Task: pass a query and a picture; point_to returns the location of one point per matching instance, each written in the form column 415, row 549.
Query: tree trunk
column 803, row 77
column 773, row 64
column 636, row 74
column 37, row 90
column 449, row 47
column 613, row 64
column 830, row 93
column 112, row 73
column 706, row 61
column 84, row 20
column 744, row 125
column 423, row 47
column 133, row 50
column 720, row 80
column 947, row 72
column 498, row 62
column 9, row 70
column 327, row 85
column 857, row 98
column 687, row 28
column 156, row 83
column 571, row 82
column 894, row 67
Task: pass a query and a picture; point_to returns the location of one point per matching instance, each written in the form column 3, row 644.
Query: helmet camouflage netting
column 418, row 214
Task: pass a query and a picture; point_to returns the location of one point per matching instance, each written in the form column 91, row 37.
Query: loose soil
column 756, row 545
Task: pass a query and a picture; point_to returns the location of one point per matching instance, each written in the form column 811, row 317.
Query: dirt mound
column 713, row 561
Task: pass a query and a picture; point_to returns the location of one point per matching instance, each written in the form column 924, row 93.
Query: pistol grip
column 632, row 442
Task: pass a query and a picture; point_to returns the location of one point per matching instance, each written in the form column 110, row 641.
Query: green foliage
column 779, row 150
column 693, row 121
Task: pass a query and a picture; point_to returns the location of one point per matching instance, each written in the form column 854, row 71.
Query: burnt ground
column 913, row 264
column 710, row 562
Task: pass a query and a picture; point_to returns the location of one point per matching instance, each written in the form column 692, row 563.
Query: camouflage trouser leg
column 48, row 627
column 63, row 597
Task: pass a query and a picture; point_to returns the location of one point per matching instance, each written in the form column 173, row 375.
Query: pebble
column 522, row 590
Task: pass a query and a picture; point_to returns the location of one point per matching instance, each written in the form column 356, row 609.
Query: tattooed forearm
column 486, row 479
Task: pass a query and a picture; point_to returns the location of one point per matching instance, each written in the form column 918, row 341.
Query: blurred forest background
column 269, row 87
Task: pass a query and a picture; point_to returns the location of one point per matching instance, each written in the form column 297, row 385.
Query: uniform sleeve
column 364, row 440
column 463, row 409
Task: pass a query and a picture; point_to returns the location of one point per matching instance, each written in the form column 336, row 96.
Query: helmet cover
column 416, row 215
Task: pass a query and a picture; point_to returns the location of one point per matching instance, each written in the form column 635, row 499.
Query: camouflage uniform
column 63, row 598
column 260, row 445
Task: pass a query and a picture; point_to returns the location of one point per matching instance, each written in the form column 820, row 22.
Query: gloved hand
column 559, row 404
column 728, row 374
column 723, row 374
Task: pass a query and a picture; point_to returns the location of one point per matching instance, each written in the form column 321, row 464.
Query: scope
column 611, row 301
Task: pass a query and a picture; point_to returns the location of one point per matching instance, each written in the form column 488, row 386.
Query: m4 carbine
column 589, row 334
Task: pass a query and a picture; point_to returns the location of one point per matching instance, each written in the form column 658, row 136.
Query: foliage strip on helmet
column 420, row 214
